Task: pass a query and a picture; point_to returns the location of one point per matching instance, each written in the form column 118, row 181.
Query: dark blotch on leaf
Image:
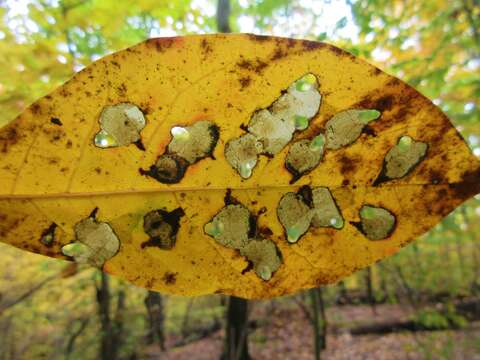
column 162, row 44
column 93, row 214
column 169, row 278
column 306, row 193
column 35, row 108
column 312, row 45
column 162, row 227
column 248, row 267
column 384, row 103
column 229, row 199
column 139, row 145
column 369, row 131
column 244, row 82
column 215, row 133
column 265, row 232
column 169, row 169
column 348, row 165
column 10, row 137
column 56, row 121
column 278, row 54
column 470, row 184
column 252, row 222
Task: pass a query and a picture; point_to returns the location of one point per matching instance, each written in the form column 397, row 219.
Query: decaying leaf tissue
column 253, row 166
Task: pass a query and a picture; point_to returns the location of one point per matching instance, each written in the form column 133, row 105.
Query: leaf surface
column 55, row 176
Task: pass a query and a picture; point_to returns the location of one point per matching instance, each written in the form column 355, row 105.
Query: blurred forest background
column 422, row 303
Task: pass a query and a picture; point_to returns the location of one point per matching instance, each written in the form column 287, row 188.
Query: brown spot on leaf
column 348, row 165
column 384, row 103
column 169, row 278
column 435, row 177
column 312, row 45
column 36, row 108
column 265, row 232
column 56, row 121
column 206, row 47
column 8, row 138
column 245, row 81
column 470, row 184
column 278, row 54
column 256, row 66
column 55, row 135
column 337, row 51
column 162, row 44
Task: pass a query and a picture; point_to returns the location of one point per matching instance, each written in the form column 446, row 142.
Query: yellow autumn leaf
column 237, row 164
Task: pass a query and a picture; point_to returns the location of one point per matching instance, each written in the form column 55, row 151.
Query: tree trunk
column 223, row 16
column 111, row 329
column 156, row 319
column 383, row 283
column 236, row 345
column 370, row 291
column 319, row 321
column 103, row 299
column 343, row 297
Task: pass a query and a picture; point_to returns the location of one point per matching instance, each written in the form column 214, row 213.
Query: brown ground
column 288, row 335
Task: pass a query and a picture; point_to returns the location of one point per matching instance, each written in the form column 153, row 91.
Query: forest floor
column 287, row 334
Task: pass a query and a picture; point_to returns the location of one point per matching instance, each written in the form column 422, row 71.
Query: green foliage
column 438, row 320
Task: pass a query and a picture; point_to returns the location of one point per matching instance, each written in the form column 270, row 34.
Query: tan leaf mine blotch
column 325, row 210
column 346, row 127
column 120, row 125
column 52, row 172
column 264, row 256
column 231, row 226
column 235, row 227
column 188, row 145
column 402, row 158
column 274, row 126
column 376, row 223
column 194, row 142
column 295, row 216
column 95, row 243
column 304, row 155
column 315, row 207
column 242, row 153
